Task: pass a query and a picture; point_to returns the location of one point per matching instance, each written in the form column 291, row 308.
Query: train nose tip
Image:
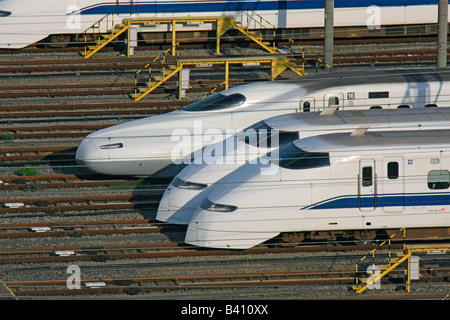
column 87, row 152
column 171, row 211
column 163, row 210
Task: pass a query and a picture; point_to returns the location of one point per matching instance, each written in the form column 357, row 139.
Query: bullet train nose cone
column 88, row 152
column 170, row 213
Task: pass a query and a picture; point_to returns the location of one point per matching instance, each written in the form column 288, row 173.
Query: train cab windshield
column 4, row 13
column 294, row 158
column 262, row 135
column 216, row 102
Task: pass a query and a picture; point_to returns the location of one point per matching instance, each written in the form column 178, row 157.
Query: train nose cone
column 172, row 211
column 178, row 205
column 88, row 153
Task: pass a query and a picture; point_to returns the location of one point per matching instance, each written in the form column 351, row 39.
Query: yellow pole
column 180, row 64
column 408, row 281
column 174, row 37
column 227, row 73
column 128, row 42
column 218, row 39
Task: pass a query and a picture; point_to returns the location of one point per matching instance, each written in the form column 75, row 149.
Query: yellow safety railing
column 304, row 50
column 105, row 39
column 162, row 57
column 107, row 22
column 250, row 16
column 278, row 65
column 215, row 89
column 372, row 253
column 392, row 264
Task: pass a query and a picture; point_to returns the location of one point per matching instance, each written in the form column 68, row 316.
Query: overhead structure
column 106, row 32
column 278, row 63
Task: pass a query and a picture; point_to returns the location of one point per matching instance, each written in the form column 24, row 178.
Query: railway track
column 61, row 181
column 82, row 228
column 19, row 114
column 146, row 285
column 37, row 153
column 41, row 124
column 158, row 250
column 133, row 64
column 89, row 202
column 296, row 280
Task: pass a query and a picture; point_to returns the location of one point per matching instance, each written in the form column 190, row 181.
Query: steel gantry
column 278, row 64
column 106, row 30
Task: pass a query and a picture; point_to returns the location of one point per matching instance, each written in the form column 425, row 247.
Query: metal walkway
column 278, row 63
column 107, row 31
column 405, row 255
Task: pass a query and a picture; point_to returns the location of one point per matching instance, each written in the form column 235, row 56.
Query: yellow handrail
column 261, row 18
column 380, row 245
column 309, row 52
column 222, row 83
column 147, row 66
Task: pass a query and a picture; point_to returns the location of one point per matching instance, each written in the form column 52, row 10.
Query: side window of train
column 376, row 107
column 306, row 106
column 403, row 106
column 217, row 101
column 367, row 176
column 438, row 179
column 431, row 105
column 392, row 170
column 333, row 101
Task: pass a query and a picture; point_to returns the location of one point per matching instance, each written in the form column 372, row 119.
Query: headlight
column 215, row 207
column 112, row 146
column 182, row 184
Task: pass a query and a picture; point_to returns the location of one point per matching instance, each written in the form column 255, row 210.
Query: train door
column 307, row 105
column 393, row 184
column 125, row 8
column 333, row 99
column 367, row 185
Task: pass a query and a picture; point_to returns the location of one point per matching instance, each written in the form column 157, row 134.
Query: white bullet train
column 190, row 187
column 162, row 144
column 24, row 22
column 334, row 182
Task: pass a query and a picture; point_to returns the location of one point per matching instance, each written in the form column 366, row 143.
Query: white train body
column 380, row 180
column 190, row 187
column 25, row 22
column 159, row 144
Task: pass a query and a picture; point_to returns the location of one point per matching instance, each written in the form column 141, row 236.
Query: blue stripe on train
column 221, row 6
column 389, row 200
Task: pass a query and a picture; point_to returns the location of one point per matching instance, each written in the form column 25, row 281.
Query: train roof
column 345, row 78
column 382, row 141
column 322, row 81
column 384, row 118
column 379, row 75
